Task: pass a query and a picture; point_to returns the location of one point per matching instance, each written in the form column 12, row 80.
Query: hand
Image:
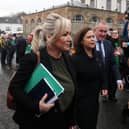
column 120, row 50
column 43, row 106
column 120, row 85
column 74, row 127
column 104, row 92
column 124, row 44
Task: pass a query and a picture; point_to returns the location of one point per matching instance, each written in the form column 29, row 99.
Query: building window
column 32, row 21
column 95, row 19
column 78, row 18
column 26, row 21
column 108, row 5
column 19, row 29
column 39, row 21
column 8, row 28
column 92, row 3
column 109, row 20
column 121, row 22
column 119, row 5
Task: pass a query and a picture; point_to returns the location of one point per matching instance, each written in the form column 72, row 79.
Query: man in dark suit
column 111, row 69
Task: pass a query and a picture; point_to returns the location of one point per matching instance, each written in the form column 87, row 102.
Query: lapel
column 69, row 66
column 105, row 48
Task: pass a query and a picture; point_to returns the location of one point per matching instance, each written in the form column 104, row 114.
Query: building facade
column 79, row 15
column 113, row 5
column 11, row 25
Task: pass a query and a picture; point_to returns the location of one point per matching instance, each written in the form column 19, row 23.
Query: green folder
column 40, row 73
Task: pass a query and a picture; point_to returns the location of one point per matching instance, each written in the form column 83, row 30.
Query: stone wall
column 70, row 12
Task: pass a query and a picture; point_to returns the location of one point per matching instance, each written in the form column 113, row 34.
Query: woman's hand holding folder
column 43, row 106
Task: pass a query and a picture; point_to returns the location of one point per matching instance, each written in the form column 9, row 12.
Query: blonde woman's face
column 64, row 41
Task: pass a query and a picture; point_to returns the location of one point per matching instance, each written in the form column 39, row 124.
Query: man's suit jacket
column 111, row 68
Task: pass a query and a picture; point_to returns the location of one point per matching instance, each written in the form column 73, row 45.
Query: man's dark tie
column 101, row 52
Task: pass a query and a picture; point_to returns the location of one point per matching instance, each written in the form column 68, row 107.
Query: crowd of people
column 95, row 52
column 9, row 45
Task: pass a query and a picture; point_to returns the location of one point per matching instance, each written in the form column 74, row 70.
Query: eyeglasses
column 103, row 31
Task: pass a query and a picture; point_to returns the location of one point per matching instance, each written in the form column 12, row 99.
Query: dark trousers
column 112, row 87
column 51, row 120
column 87, row 115
column 126, row 77
column 10, row 54
column 3, row 56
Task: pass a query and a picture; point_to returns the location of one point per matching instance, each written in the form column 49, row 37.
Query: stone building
column 113, row 5
column 80, row 14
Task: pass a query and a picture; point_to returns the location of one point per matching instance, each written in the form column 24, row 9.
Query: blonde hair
column 35, row 41
column 54, row 26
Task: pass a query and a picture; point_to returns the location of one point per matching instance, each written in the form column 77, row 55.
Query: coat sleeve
column 17, row 84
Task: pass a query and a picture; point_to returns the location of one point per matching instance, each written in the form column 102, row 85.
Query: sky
column 9, row 7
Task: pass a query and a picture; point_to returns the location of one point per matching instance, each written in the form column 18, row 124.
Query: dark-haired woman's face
column 89, row 40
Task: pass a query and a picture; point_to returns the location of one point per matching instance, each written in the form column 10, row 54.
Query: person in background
column 20, row 47
column 125, row 46
column 116, row 41
column 109, row 32
column 118, row 57
column 29, row 46
column 3, row 47
column 11, row 47
column 54, row 56
column 125, row 31
column 88, row 65
column 107, row 54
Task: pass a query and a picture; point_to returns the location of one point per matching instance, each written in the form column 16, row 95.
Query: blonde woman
column 58, row 115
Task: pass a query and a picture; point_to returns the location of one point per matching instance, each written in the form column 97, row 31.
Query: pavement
column 109, row 114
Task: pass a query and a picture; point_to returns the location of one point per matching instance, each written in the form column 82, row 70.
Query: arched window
column 19, row 28
column 8, row 28
column 39, row 21
column 32, row 24
column 78, row 18
column 108, row 6
column 95, row 19
column 109, row 20
column 26, row 21
column 32, row 21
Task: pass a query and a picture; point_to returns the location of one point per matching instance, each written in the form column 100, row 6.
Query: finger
column 44, row 97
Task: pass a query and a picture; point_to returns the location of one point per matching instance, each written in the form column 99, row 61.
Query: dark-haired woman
column 90, row 78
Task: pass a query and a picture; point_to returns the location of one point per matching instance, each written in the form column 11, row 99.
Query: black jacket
column 26, row 107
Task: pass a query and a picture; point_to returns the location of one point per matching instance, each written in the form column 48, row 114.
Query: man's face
column 101, row 32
